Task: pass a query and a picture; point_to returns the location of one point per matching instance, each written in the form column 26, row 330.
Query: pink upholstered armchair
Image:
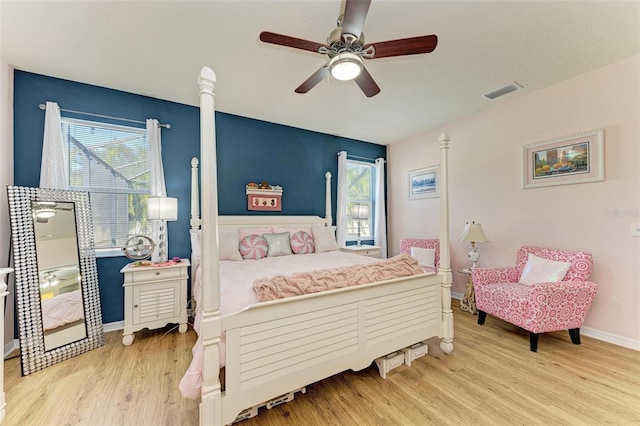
column 423, row 243
column 538, row 307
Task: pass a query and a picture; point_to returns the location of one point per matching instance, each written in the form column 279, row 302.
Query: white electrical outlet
column 635, row 229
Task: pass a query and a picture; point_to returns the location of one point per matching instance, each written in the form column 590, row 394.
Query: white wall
column 6, row 178
column 486, row 186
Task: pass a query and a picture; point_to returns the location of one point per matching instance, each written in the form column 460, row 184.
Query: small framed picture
column 424, row 183
column 577, row 158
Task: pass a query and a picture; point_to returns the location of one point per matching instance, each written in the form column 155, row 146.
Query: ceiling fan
column 346, row 49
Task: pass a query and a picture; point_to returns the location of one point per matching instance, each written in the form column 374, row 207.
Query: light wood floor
column 490, row 379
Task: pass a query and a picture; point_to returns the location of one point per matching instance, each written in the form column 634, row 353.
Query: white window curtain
column 380, row 218
column 156, row 177
column 54, row 169
column 341, row 208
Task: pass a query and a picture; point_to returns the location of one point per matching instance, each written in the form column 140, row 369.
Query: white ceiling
column 157, row 48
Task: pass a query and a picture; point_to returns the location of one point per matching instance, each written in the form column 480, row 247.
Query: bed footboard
column 309, row 338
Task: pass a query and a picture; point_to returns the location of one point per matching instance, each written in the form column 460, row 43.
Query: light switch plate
column 635, row 229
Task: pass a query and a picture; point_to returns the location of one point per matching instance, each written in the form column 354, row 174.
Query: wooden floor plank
column 491, row 378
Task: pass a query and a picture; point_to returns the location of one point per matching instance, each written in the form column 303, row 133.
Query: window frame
column 64, row 121
column 371, row 202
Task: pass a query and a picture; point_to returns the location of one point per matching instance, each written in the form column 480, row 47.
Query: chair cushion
column 426, row 257
column 581, row 261
column 540, row 270
column 430, row 243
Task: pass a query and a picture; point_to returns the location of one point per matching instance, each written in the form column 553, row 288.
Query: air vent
column 511, row 87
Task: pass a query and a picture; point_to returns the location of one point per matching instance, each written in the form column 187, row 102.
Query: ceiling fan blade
column 355, row 13
column 366, row 83
column 315, row 78
column 404, row 46
column 288, row 41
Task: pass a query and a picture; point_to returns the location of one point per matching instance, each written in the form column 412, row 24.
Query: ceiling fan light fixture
column 345, row 66
column 45, row 213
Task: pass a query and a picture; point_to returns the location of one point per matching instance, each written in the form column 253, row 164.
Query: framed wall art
column 424, row 183
column 577, row 158
column 264, row 197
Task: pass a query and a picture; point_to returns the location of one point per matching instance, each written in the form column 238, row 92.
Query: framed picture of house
column 577, row 158
column 424, row 183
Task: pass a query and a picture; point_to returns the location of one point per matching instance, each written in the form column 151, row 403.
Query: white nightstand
column 371, row 251
column 154, row 296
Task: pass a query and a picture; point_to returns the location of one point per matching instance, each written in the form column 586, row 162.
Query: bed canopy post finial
column 446, row 345
column 195, row 191
column 210, row 331
column 327, row 202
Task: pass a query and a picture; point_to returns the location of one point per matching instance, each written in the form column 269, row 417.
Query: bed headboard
column 256, row 220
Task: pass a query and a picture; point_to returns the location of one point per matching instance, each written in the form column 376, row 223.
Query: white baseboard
column 113, row 326
column 10, row 347
column 595, row 334
column 610, row 338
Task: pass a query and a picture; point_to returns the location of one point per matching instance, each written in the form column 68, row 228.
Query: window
column 111, row 162
column 360, row 200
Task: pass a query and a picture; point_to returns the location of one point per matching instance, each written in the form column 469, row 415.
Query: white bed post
column 211, row 402
column 445, row 262
column 327, row 199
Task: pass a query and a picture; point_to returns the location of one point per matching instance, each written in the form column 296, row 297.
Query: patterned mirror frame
column 28, row 308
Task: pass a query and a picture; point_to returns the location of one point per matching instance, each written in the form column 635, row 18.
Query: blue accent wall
column 247, row 150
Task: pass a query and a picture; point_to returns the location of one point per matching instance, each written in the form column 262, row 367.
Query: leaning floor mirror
column 56, row 279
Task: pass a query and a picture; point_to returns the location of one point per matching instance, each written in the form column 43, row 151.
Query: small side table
column 154, row 296
column 363, row 250
column 468, row 302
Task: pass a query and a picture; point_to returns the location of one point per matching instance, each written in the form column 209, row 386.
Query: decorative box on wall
column 264, row 197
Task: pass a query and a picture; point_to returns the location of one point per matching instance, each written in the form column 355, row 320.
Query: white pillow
column 229, row 244
column 539, row 270
column 426, row 256
column 324, row 238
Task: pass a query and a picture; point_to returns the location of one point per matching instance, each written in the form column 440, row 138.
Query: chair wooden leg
column 481, row 317
column 533, row 341
column 575, row 335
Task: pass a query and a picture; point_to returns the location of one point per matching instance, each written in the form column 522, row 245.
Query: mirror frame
column 34, row 357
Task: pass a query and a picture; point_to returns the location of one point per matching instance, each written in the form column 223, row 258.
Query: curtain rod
column 355, row 157
column 43, row 107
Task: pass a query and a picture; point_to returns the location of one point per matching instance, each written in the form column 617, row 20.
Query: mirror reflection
column 59, row 277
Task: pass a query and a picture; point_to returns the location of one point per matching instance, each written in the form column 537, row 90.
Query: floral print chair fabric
column 539, row 307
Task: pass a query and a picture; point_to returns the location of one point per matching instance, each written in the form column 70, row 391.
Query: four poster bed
column 274, row 348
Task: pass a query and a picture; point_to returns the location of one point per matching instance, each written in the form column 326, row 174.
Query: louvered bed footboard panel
column 400, row 313
column 276, row 348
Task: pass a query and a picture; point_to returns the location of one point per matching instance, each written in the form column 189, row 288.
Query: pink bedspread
column 281, row 286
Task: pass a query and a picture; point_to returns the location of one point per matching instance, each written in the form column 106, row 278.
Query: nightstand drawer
column 363, row 250
column 373, row 252
column 155, row 274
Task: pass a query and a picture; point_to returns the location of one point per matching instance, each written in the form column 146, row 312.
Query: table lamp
column 360, row 212
column 162, row 209
column 473, row 233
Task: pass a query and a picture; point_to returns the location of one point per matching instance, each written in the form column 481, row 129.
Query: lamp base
column 474, row 256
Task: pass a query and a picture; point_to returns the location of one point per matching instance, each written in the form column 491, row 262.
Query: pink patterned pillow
column 302, row 243
column 253, row 247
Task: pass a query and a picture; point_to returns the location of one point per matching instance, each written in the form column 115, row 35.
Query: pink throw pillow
column 302, row 243
column 253, row 247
